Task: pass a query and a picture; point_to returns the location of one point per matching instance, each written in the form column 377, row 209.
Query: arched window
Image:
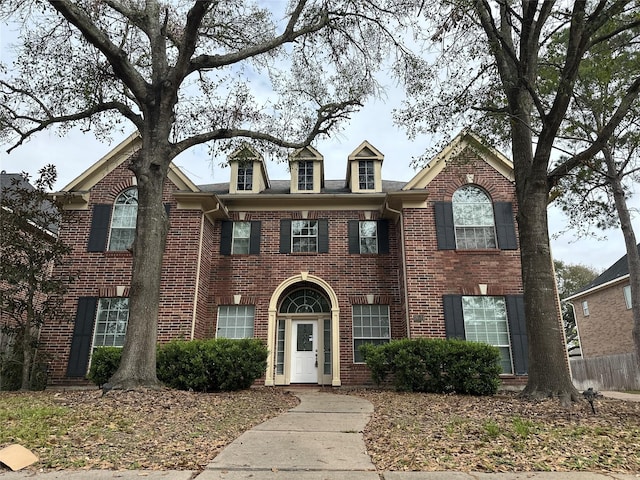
column 305, row 300
column 473, row 219
column 123, row 220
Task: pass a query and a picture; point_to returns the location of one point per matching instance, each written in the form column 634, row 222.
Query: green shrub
column 104, row 363
column 435, row 365
column 212, row 365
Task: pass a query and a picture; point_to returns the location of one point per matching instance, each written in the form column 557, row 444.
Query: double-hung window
column 305, row 175
column 123, row 220
column 240, row 238
column 473, row 219
column 111, row 322
column 245, row 177
column 485, row 320
column 235, row 321
column 366, row 175
column 368, row 237
column 304, row 236
column 370, row 325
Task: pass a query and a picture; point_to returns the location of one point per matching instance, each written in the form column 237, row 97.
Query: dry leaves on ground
column 502, row 433
column 164, row 430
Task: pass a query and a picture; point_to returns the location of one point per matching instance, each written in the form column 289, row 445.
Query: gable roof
column 616, row 272
column 8, row 181
column 465, row 139
column 114, row 158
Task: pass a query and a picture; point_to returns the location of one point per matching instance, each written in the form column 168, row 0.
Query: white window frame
column 123, row 219
column 471, row 219
column 235, row 321
column 240, row 247
column 311, row 228
column 626, row 291
column 370, row 324
column 585, row 308
column 368, row 243
column 245, row 177
column 305, row 175
column 486, row 321
column 366, row 175
column 109, row 316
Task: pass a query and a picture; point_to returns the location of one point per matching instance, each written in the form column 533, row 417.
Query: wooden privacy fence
column 611, row 372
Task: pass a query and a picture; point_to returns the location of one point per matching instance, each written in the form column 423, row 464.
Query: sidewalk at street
column 319, row 439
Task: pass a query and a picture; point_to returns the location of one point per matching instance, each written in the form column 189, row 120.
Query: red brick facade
column 411, row 278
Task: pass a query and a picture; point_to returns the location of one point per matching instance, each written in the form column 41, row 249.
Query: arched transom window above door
column 305, row 300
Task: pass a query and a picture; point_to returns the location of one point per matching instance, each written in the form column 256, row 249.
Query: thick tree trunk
column 633, row 258
column 549, row 374
column 138, row 363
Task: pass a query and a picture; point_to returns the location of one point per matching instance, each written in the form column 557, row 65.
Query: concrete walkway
column 320, row 439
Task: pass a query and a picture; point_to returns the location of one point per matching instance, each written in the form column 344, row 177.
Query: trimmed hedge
column 436, row 365
column 201, row 365
column 212, row 365
column 104, row 363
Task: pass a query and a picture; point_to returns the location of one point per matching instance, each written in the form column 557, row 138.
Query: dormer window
column 245, row 176
column 366, row 174
column 248, row 173
column 305, row 175
column 306, row 167
column 364, row 170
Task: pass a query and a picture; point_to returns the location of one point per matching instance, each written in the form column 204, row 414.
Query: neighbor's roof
column 617, row 271
column 7, row 183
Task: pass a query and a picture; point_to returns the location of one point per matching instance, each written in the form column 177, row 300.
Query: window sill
column 304, row 254
column 118, row 253
column 479, row 251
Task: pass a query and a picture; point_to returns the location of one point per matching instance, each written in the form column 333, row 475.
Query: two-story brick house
column 313, row 267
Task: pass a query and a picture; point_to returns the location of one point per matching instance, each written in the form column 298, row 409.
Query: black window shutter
column 453, row 316
column 383, row 236
column 445, row 229
column 353, row 229
column 254, row 239
column 285, row 235
column 167, row 208
column 505, row 227
column 99, row 228
column 81, row 340
column 518, row 330
column 225, row 237
column 323, row 236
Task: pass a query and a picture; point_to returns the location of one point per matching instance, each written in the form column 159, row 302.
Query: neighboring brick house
column 26, row 215
column 603, row 313
column 313, row 267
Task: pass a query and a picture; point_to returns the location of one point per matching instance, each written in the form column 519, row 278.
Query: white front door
column 304, row 351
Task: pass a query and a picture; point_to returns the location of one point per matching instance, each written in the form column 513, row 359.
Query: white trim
column 273, row 325
column 597, row 287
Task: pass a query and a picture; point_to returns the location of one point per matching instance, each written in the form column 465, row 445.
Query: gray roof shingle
column 619, row 269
